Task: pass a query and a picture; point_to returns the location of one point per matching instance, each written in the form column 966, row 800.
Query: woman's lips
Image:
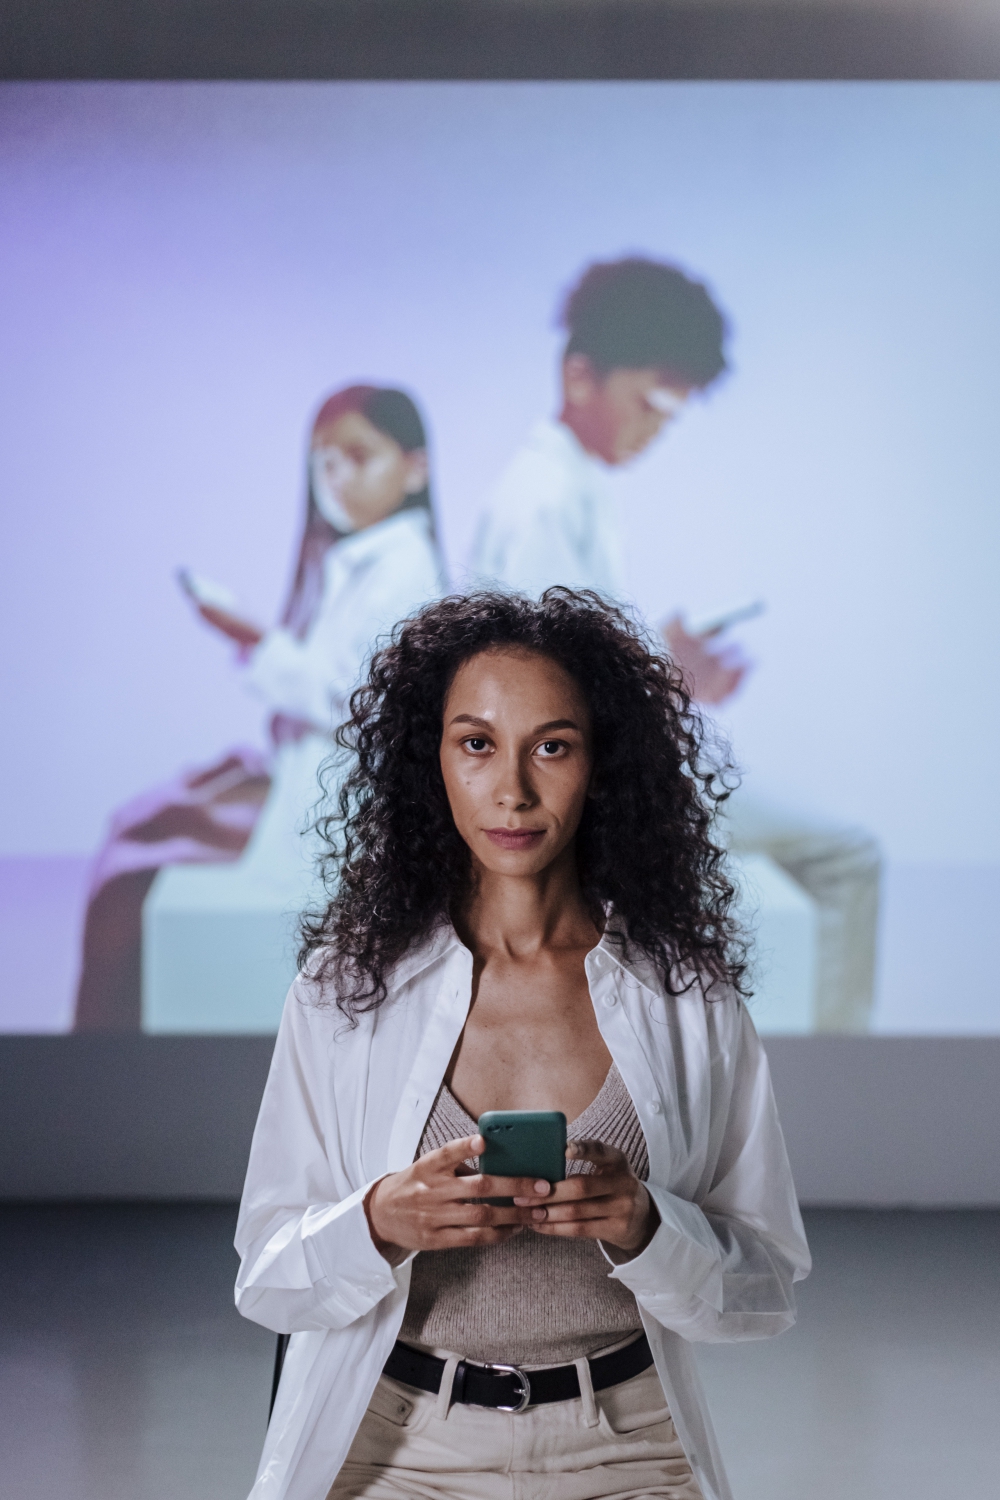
column 515, row 838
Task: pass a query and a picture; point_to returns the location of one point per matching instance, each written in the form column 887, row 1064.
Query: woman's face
column 365, row 472
column 516, row 758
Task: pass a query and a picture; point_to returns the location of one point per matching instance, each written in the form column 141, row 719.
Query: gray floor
column 125, row 1374
column 888, row 1388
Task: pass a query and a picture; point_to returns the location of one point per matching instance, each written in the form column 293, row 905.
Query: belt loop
column 443, row 1403
column 590, row 1417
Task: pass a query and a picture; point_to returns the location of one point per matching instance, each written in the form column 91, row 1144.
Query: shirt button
column 655, row 1106
column 611, row 999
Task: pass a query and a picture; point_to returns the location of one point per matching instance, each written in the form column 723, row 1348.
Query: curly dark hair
column 396, row 865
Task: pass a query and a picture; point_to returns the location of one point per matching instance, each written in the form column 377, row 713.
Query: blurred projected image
column 190, row 923
column 723, row 353
column 642, row 339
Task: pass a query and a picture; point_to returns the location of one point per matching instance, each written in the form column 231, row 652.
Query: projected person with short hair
column 642, row 336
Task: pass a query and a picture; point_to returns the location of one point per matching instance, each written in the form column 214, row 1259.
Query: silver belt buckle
column 525, row 1384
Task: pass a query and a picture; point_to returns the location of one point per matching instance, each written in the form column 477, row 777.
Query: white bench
column 784, row 921
column 218, row 949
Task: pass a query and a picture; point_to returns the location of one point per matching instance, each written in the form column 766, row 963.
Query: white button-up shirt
column 550, row 519
column 371, row 580
column 345, row 1105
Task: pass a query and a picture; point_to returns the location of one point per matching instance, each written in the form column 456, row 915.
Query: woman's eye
column 475, row 744
column 551, row 747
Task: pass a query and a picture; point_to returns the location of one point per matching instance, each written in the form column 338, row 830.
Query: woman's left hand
column 608, row 1203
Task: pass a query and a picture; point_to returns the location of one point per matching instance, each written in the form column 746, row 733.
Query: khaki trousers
column 840, row 868
column 620, row 1442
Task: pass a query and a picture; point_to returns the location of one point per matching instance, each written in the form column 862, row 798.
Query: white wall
column 887, row 1121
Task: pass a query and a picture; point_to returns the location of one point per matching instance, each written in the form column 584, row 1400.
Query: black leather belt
column 508, row 1387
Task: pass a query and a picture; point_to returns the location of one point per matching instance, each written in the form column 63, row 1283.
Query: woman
column 531, row 914
column 368, row 557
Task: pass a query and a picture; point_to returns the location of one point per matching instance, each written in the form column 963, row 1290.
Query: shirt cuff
column 271, row 658
column 681, row 1261
column 278, row 671
column 348, row 1272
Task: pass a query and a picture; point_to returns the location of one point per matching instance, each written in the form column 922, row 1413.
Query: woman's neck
column 521, row 915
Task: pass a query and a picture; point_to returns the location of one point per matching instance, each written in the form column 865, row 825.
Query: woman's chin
column 519, row 862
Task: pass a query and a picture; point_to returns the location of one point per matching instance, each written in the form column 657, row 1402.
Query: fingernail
column 538, row 1213
column 541, row 1188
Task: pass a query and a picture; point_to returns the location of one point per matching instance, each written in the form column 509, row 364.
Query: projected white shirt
column 344, row 1105
column 551, row 519
column 372, row 579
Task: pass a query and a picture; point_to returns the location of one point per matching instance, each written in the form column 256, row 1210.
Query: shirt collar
column 443, row 940
column 373, row 540
column 553, row 436
column 631, row 959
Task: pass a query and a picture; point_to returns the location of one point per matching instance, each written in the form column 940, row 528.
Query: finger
column 461, row 1238
column 597, row 1152
column 569, row 1191
column 506, row 1187
column 582, row 1185
column 467, row 1215
column 609, row 1230
column 447, row 1158
column 566, row 1213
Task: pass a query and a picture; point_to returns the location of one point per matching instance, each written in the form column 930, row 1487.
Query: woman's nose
column 513, row 788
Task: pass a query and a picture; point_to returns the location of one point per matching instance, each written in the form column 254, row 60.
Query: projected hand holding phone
column 217, row 606
column 712, row 675
column 440, row 1203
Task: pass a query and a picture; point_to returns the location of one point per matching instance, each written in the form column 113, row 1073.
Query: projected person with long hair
column 532, row 915
column 368, row 556
column 641, row 338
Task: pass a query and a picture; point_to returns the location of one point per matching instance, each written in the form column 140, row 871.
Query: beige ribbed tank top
column 533, row 1300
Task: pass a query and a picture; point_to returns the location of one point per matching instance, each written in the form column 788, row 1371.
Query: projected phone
column 218, row 605
column 724, row 619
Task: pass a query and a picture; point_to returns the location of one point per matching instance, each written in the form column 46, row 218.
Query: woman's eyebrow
column 539, row 728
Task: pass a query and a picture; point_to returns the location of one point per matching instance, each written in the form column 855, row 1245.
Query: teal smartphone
column 524, row 1143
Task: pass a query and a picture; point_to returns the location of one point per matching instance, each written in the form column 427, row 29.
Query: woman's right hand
column 243, row 632
column 436, row 1204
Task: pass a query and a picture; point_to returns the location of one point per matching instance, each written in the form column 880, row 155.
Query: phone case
column 524, row 1143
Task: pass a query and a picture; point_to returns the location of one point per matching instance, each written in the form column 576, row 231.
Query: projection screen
column 190, row 270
